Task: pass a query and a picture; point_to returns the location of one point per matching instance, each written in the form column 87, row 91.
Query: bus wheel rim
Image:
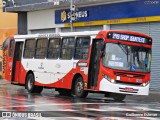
column 30, row 83
column 79, row 87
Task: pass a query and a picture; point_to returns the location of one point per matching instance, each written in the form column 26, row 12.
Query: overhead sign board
column 128, row 37
column 66, row 15
column 134, row 9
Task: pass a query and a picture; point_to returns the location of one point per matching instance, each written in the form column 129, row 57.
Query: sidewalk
column 3, row 81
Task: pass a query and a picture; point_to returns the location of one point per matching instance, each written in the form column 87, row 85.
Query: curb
column 154, row 92
column 152, row 97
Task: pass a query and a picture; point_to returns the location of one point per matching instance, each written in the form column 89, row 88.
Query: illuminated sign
column 79, row 14
column 127, row 37
column 113, row 13
column 63, row 16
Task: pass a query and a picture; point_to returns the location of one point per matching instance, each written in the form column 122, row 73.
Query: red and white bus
column 113, row 62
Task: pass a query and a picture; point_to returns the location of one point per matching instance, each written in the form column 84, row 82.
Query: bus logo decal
column 133, row 68
column 57, row 65
column 139, row 80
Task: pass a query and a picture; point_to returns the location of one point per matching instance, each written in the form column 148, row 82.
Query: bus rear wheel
column 79, row 88
column 118, row 97
column 31, row 88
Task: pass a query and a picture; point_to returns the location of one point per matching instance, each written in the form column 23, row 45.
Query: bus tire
column 38, row 89
column 31, row 88
column 118, row 97
column 79, row 88
column 64, row 92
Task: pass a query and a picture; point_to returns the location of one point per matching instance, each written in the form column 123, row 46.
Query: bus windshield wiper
column 120, row 45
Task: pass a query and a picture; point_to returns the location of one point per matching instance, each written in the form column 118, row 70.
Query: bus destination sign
column 127, row 37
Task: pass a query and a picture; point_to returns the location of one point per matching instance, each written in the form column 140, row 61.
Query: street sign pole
column 71, row 20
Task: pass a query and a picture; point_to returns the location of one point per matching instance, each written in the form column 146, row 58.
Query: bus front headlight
column 112, row 81
column 145, row 84
column 108, row 78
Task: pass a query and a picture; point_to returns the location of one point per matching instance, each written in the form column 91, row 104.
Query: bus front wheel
column 31, row 88
column 118, row 97
column 79, row 88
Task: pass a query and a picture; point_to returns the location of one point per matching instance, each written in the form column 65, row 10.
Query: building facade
column 51, row 16
column 8, row 26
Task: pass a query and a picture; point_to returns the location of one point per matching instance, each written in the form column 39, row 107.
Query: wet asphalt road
column 49, row 105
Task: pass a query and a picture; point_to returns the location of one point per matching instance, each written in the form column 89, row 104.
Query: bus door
column 17, row 66
column 94, row 63
column 9, row 59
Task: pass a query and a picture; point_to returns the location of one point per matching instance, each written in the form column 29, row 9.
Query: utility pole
column 72, row 15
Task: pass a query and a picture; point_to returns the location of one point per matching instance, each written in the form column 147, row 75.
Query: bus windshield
column 127, row 57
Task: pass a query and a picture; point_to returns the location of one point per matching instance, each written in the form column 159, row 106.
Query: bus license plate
column 128, row 89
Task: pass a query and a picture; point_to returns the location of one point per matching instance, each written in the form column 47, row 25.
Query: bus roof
column 84, row 33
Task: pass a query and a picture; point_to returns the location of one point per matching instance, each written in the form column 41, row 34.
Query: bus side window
column 67, row 48
column 53, row 48
column 29, row 48
column 41, row 48
column 11, row 48
column 82, row 47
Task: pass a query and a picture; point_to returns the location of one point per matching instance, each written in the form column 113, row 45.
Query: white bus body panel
column 48, row 71
column 107, row 86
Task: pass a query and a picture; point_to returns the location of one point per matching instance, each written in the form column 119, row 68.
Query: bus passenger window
column 29, row 48
column 53, row 48
column 11, row 48
column 67, row 48
column 82, row 48
column 41, row 48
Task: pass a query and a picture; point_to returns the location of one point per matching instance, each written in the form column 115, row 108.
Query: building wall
column 43, row 19
column 8, row 26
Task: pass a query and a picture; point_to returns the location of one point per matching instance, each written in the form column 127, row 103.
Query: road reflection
column 16, row 98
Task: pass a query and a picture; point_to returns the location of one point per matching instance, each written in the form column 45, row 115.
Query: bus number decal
column 48, row 35
column 126, row 37
column 113, row 63
column 84, row 69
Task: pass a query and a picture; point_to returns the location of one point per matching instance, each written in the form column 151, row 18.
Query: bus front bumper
column 107, row 86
